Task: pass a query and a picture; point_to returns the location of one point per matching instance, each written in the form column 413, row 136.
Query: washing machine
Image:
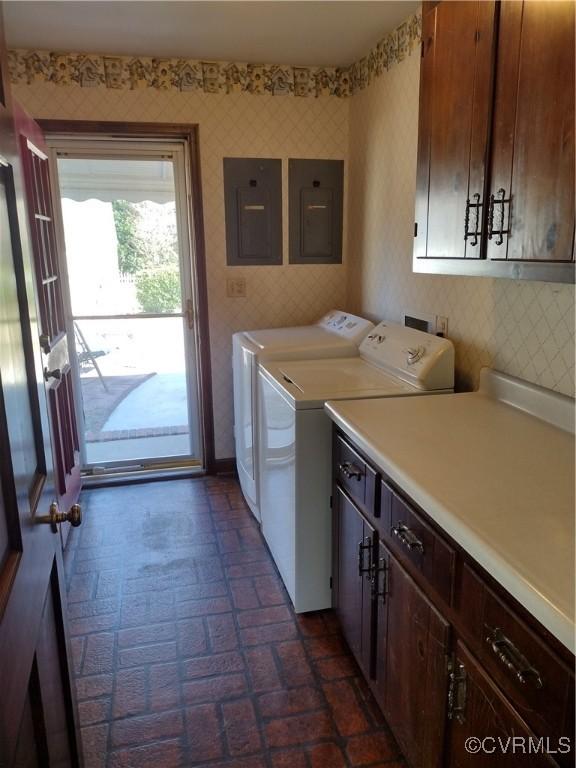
column 337, row 334
column 296, row 442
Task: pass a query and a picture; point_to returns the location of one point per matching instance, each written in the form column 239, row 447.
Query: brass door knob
column 73, row 516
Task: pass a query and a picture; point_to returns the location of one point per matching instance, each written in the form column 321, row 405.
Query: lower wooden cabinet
column 352, row 582
column 485, row 730
column 447, row 653
column 411, row 664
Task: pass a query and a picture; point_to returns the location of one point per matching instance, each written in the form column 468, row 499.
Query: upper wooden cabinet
column 495, row 179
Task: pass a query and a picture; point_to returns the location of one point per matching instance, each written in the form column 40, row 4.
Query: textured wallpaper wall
column 523, row 328
column 237, row 125
column 520, row 327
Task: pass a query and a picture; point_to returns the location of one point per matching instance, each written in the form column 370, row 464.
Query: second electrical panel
column 316, row 205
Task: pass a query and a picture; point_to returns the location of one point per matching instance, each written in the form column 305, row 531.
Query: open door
column 37, row 707
column 57, row 372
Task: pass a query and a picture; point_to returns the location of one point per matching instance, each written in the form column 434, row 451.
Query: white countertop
column 500, row 482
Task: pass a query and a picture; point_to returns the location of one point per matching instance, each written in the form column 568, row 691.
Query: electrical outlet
column 441, row 325
column 236, row 287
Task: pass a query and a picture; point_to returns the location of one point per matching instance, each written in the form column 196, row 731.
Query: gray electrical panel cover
column 253, row 206
column 315, row 218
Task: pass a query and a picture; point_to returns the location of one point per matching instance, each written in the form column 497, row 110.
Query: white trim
column 102, row 147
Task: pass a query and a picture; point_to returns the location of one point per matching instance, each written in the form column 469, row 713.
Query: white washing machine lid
column 307, row 384
column 305, row 337
column 335, row 330
column 394, row 361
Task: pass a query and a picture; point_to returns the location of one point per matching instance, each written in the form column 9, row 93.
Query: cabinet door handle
column 363, row 545
column 457, row 691
column 350, row 470
column 512, row 658
column 498, row 230
column 380, row 580
column 408, row 538
column 476, row 230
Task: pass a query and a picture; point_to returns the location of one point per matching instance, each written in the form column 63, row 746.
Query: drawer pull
column 362, row 547
column 350, row 470
column 408, row 538
column 512, row 658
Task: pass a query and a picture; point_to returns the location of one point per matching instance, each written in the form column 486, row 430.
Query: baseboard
column 224, row 466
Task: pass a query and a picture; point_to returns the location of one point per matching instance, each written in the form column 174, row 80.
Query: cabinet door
column 354, row 557
column 455, row 97
column 411, row 664
column 532, row 170
column 482, row 712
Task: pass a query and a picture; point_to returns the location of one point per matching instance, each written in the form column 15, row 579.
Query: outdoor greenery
column 147, row 243
column 158, row 290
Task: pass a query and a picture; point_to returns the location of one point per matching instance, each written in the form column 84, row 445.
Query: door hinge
column 415, row 229
column 422, row 48
column 456, row 690
column 331, row 582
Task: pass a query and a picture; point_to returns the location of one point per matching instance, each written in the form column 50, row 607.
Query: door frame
column 189, row 134
column 103, row 148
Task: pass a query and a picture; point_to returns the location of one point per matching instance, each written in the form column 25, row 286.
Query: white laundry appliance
column 337, row 334
column 296, row 445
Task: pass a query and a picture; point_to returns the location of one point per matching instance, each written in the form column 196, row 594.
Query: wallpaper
column 233, row 125
column 520, row 327
column 130, row 73
column 523, row 328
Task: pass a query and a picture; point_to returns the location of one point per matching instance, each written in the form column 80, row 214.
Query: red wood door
column 52, row 321
column 37, row 706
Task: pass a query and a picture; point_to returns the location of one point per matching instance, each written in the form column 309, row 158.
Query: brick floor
column 186, row 649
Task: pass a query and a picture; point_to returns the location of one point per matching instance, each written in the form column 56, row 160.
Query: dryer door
column 244, row 366
column 277, row 464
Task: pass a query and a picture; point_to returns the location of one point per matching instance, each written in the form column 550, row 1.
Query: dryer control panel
column 346, row 325
column 419, row 358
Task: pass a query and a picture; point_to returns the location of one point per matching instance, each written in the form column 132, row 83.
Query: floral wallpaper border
column 129, row 73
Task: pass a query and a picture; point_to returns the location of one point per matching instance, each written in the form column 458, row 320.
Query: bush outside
column 147, row 246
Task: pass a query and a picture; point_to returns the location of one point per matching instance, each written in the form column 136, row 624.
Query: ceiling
column 309, row 32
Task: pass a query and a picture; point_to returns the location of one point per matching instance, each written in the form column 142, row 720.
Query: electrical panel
column 253, row 209
column 316, row 209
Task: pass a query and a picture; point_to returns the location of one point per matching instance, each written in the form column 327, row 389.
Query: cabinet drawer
column 538, row 683
column 355, row 476
column 410, row 538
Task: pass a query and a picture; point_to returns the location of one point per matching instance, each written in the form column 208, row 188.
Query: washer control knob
column 414, row 354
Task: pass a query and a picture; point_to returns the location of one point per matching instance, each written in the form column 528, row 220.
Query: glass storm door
column 131, row 305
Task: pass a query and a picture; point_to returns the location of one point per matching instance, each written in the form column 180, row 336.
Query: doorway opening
column 131, row 302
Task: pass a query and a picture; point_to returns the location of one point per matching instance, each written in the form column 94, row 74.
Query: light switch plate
column 236, row 287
